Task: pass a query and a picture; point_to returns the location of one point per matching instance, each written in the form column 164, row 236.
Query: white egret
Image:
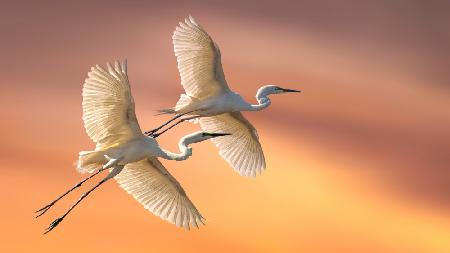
column 110, row 121
column 209, row 99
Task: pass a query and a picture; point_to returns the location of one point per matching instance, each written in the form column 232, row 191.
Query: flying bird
column 132, row 158
column 210, row 101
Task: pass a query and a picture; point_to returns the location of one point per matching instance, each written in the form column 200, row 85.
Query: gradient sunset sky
column 359, row 162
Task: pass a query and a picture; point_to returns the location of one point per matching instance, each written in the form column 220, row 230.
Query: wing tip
column 188, row 21
column 251, row 173
column 192, row 20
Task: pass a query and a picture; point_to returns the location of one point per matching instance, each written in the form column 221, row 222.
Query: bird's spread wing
column 159, row 192
column 108, row 106
column 241, row 149
column 199, row 61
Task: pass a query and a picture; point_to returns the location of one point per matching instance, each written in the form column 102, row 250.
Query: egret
column 110, row 121
column 210, row 101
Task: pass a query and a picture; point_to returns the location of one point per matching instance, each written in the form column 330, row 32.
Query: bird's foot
column 150, row 133
column 154, row 135
column 43, row 210
column 53, row 225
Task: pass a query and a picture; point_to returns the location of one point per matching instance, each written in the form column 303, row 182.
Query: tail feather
column 89, row 161
column 183, row 102
column 166, row 111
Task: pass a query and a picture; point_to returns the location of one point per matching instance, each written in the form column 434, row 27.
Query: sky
column 358, row 162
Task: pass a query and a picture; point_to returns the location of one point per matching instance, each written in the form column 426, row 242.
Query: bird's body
column 110, row 121
column 128, row 152
column 209, row 98
column 136, row 150
column 142, row 175
column 214, row 105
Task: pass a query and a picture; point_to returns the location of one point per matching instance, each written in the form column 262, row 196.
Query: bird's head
column 201, row 136
column 194, row 138
column 273, row 89
column 265, row 91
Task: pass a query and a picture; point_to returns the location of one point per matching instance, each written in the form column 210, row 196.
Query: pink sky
column 357, row 163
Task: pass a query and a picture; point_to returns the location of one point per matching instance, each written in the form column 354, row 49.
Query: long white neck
column 263, row 101
column 185, row 151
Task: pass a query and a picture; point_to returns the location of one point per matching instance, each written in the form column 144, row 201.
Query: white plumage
column 110, row 121
column 108, row 107
column 157, row 190
column 198, row 61
column 241, row 149
column 209, row 98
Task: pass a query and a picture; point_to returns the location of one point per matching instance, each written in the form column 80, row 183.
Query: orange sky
column 357, row 163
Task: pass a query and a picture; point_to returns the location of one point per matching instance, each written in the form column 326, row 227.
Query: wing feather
column 108, row 106
column 241, row 149
column 149, row 182
column 199, row 60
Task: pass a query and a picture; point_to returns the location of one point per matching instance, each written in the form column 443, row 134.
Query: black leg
column 55, row 223
column 47, row 207
column 155, row 135
column 151, row 132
